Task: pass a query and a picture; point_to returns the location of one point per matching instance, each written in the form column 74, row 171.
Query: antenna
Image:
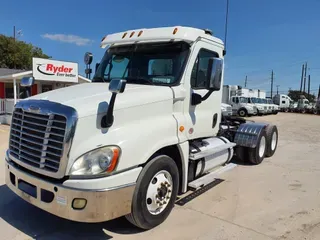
column 226, row 29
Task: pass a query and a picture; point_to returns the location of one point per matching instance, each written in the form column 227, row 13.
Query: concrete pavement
column 279, row 199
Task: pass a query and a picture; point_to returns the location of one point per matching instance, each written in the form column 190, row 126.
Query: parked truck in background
column 147, row 129
column 226, row 109
column 261, row 107
column 240, row 105
column 274, row 107
column 283, row 101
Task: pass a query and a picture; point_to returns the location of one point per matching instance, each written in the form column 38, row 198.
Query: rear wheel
column 272, row 140
column 155, row 193
column 257, row 154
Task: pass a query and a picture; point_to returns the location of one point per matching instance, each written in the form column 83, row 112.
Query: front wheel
column 243, row 112
column 155, row 193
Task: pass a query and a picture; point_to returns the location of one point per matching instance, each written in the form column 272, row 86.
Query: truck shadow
column 39, row 224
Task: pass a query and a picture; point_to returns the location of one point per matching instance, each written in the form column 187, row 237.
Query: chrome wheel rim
column 262, row 146
column 159, row 192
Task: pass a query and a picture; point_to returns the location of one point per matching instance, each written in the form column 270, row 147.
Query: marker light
column 124, row 35
column 139, row 34
column 131, row 34
column 175, row 30
column 103, row 38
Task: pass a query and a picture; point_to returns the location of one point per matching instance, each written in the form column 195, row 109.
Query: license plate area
column 27, row 188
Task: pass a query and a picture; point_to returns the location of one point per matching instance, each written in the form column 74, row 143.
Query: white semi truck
column 232, row 95
column 132, row 140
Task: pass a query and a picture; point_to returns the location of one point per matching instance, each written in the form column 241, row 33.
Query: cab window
column 200, row 68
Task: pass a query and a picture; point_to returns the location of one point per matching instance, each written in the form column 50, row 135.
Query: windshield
column 149, row 63
column 243, row 100
column 254, row 100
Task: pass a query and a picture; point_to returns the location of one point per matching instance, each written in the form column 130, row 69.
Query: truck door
column 203, row 119
column 235, row 104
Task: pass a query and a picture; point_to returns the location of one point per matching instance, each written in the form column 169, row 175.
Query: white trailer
column 131, row 141
column 283, row 101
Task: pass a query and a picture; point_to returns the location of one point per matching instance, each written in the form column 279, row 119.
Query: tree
column 18, row 54
column 295, row 95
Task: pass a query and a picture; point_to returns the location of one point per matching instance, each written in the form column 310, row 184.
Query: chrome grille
column 38, row 139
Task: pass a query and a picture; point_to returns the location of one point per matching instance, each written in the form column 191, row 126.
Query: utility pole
column 305, row 77
column 278, row 89
column 319, row 92
column 271, row 82
column 14, row 54
column 301, row 78
column 245, row 82
column 309, row 84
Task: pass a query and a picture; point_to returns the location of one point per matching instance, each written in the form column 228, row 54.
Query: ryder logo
column 51, row 69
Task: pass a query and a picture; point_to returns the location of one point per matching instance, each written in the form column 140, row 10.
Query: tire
column 272, row 140
column 286, row 110
column 243, row 112
column 303, row 111
column 160, row 167
column 255, row 156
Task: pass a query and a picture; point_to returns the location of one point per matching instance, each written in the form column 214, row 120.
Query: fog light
column 79, row 203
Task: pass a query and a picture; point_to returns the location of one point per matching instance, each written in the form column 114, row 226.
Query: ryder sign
column 52, row 70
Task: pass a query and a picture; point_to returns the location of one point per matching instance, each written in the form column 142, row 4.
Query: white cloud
column 80, row 41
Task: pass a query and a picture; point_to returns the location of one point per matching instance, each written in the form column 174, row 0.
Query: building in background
column 49, row 75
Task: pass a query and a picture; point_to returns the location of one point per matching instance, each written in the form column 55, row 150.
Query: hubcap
column 159, row 192
column 274, row 141
column 242, row 113
column 262, row 147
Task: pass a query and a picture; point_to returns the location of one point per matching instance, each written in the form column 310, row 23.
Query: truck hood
column 93, row 98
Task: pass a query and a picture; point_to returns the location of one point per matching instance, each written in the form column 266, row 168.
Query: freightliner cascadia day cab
column 148, row 128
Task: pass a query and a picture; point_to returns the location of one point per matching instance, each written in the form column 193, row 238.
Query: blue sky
column 262, row 35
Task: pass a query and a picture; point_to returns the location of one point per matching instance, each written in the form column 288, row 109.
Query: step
column 210, row 151
column 210, row 177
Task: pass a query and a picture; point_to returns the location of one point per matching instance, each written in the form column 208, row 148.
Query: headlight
column 101, row 160
column 260, row 108
column 249, row 108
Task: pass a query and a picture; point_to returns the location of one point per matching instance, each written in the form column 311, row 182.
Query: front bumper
column 102, row 205
column 252, row 111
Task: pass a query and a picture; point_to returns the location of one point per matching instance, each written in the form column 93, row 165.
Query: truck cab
column 261, row 108
column 275, row 107
column 147, row 129
column 242, row 107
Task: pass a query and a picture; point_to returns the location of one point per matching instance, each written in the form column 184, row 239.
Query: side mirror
column 27, row 82
column 214, row 74
column 117, row 86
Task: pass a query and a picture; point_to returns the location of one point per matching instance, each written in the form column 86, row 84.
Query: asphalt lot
column 279, row 199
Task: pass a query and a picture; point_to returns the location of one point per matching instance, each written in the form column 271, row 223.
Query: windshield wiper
column 140, row 79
